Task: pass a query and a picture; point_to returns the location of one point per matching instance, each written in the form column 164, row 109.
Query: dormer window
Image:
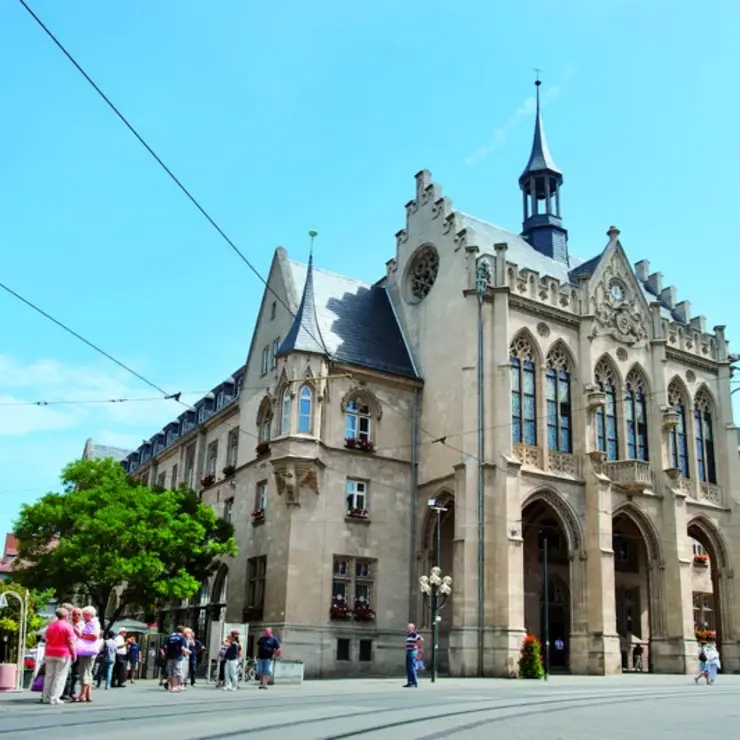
column 201, row 414
column 219, row 400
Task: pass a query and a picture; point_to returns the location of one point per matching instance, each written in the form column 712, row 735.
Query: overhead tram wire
column 187, row 192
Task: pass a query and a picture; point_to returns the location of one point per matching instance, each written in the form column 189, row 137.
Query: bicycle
column 246, row 671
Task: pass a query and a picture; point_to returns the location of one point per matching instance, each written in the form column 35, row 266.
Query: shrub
column 530, row 661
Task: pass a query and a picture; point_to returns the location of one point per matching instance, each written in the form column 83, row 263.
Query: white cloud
column 526, row 110
column 47, row 380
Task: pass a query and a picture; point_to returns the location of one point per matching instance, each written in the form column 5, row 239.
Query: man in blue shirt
column 268, row 648
column 175, row 649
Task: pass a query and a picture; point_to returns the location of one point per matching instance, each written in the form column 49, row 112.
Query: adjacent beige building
column 602, row 409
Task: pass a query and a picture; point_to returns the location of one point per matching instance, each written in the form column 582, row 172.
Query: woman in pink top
column 61, row 652
column 88, row 647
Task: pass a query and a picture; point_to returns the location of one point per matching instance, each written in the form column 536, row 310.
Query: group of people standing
column 75, row 649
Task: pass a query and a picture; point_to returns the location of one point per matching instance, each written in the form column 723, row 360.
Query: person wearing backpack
column 703, row 667
column 176, row 648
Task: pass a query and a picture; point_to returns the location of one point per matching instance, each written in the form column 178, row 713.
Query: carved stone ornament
column 293, row 474
column 362, row 392
column 616, row 309
column 670, row 417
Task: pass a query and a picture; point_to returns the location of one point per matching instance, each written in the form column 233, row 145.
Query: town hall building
column 562, row 412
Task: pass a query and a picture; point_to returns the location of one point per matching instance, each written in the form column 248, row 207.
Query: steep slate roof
column 354, row 322
column 540, row 160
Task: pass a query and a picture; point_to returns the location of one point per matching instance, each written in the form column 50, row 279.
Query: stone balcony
column 631, row 475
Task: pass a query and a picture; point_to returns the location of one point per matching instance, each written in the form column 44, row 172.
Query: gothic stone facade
column 608, row 448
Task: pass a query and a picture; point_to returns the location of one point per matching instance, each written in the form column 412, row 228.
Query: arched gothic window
column 286, row 408
column 635, row 410
column 704, row 436
column 523, row 392
column 357, row 420
column 305, row 410
column 677, row 438
column 607, row 436
column 264, row 421
column 559, row 421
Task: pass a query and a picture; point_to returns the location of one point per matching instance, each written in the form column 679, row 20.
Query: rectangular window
column 357, row 421
column 265, row 360
column 523, row 402
column 220, row 400
column 273, row 310
column 173, row 480
column 366, row 651
column 679, row 443
column 704, row 611
column 606, row 425
column 256, row 579
column 233, row 448
column 353, row 581
column 212, row 457
column 356, row 495
column 343, row 649
column 273, row 354
column 162, row 480
column 260, row 498
column 557, row 387
column 190, row 465
column 228, row 507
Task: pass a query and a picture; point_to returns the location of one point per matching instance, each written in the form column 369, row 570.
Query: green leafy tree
column 530, row 660
column 108, row 533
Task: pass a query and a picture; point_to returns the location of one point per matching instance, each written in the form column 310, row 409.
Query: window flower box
column 701, row 560
column 704, row 635
column 340, row 611
column 358, row 513
column 208, row 480
column 356, row 443
column 229, row 470
column 262, row 448
column 363, row 613
column 258, row 515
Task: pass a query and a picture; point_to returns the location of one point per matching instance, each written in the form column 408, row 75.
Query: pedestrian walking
column 713, row 662
column 268, row 648
column 413, row 643
column 703, row 667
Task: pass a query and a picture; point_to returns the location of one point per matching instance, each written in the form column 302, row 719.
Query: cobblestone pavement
column 567, row 708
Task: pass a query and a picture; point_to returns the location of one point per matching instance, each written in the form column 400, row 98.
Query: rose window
column 423, row 272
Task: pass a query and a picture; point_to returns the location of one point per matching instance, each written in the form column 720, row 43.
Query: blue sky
column 287, row 116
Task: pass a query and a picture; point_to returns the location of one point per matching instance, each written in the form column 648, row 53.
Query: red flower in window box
column 262, row 448
column 258, row 514
column 229, row 470
column 704, row 635
column 355, row 443
column 702, row 559
column 363, row 613
column 208, row 480
column 358, row 513
column 340, row 610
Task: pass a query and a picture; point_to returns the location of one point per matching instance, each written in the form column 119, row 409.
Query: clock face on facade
column 617, row 291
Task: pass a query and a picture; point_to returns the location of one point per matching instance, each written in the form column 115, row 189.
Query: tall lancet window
column 704, row 436
column 557, row 381
column 523, row 391
column 607, row 436
column 678, row 437
column 635, row 411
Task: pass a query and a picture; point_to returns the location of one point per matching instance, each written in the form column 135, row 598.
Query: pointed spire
column 540, row 160
column 305, row 334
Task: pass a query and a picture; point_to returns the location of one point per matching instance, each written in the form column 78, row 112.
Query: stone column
column 603, row 642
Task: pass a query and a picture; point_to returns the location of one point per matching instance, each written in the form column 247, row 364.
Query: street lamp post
column 22, row 630
column 436, row 586
column 546, row 604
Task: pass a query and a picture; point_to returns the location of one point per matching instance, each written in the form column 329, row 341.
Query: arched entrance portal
column 547, row 550
column 446, row 560
column 631, row 592
column 709, row 566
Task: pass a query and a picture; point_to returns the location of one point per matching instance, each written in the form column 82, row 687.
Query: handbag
column 88, row 648
column 38, row 683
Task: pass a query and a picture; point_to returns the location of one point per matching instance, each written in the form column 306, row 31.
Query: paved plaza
column 567, row 708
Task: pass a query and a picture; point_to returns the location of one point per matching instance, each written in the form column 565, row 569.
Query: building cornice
column 541, row 310
column 686, row 358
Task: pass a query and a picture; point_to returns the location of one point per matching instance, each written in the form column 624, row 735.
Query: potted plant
column 530, row 660
column 363, row 612
column 357, row 443
column 208, row 480
column 339, row 609
column 358, row 513
column 229, row 470
column 258, row 515
column 262, row 448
